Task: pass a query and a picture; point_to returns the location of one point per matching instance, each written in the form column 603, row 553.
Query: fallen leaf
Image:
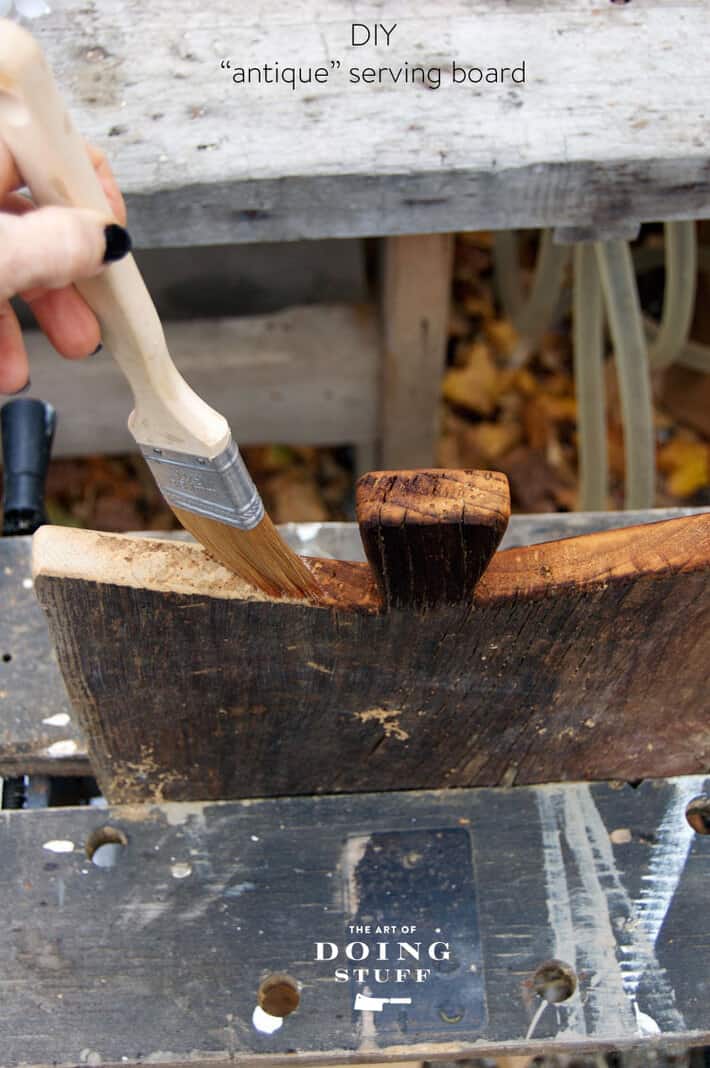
column 687, row 464
column 476, row 386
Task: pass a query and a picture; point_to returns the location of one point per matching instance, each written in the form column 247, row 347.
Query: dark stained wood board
column 160, row 957
column 583, row 659
column 31, row 687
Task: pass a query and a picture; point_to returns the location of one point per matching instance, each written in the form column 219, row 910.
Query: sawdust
column 388, row 718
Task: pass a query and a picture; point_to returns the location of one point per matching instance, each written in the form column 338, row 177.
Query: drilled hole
column 555, row 981
column 105, row 845
column 698, row 814
column 6, row 658
column 278, row 995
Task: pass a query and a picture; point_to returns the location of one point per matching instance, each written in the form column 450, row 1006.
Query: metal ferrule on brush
column 220, row 488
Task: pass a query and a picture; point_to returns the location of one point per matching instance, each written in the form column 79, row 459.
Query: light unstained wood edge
column 674, row 546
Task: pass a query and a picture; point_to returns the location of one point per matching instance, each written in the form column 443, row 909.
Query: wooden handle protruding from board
column 430, row 534
column 52, row 159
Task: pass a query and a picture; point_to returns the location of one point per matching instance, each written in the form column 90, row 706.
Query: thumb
column 52, row 247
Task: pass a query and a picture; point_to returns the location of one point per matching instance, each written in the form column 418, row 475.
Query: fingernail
column 24, row 389
column 96, row 350
column 118, row 243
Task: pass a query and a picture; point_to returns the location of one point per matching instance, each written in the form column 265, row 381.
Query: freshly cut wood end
column 159, row 564
column 434, row 496
column 260, row 556
column 429, row 534
column 168, row 565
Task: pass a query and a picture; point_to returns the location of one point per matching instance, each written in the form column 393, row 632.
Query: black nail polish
column 24, row 389
column 118, row 243
column 97, row 350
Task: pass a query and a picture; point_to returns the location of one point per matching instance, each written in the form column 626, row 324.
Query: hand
column 43, row 250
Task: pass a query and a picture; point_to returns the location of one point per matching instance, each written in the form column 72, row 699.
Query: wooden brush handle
column 52, row 159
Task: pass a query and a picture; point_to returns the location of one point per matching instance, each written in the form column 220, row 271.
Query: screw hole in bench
column 105, row 845
column 697, row 814
column 6, row 658
column 277, row 997
column 555, row 981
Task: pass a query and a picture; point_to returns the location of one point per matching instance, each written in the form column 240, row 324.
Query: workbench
column 159, row 959
column 586, row 894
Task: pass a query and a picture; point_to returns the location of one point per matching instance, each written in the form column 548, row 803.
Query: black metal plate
column 415, row 906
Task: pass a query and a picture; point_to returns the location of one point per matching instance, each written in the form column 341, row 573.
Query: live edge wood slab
column 577, row 659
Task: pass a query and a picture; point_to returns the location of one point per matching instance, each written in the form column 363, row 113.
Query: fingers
column 67, row 320
column 113, row 193
column 14, row 369
column 41, row 252
column 10, row 178
column 9, row 175
column 52, row 247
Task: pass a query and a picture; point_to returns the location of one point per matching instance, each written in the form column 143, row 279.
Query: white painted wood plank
column 610, row 125
column 303, row 376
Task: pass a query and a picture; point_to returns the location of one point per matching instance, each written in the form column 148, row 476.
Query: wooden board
column 416, row 297
column 585, row 658
column 274, row 377
column 159, row 959
column 206, row 162
column 32, row 689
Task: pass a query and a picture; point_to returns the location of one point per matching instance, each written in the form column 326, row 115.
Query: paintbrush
column 188, row 445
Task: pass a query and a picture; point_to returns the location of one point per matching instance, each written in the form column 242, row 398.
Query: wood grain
column 274, row 377
column 31, row 688
column 159, row 959
column 580, row 659
column 430, row 535
column 209, row 162
column 415, row 302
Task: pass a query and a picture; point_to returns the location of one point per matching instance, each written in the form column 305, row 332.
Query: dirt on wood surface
column 494, row 415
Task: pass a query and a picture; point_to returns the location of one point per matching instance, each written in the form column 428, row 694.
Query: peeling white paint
column 641, row 960
column 536, row 1018
column 181, row 869
column 59, row 719
column 559, row 909
column 90, row 1057
column 609, row 1011
column 238, row 889
column 68, row 747
column 59, row 845
column 669, row 854
column 264, row 1022
column 585, row 895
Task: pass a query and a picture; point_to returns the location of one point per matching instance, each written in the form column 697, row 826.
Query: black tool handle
column 27, row 433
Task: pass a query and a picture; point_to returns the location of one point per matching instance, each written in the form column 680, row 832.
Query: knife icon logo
column 364, row 1003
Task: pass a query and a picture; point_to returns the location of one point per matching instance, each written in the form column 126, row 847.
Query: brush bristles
column 259, row 556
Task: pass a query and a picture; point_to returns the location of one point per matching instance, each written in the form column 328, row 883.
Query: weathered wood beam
column 415, row 303
column 346, row 158
column 304, row 376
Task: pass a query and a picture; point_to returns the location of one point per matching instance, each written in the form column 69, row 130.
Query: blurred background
column 506, row 403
